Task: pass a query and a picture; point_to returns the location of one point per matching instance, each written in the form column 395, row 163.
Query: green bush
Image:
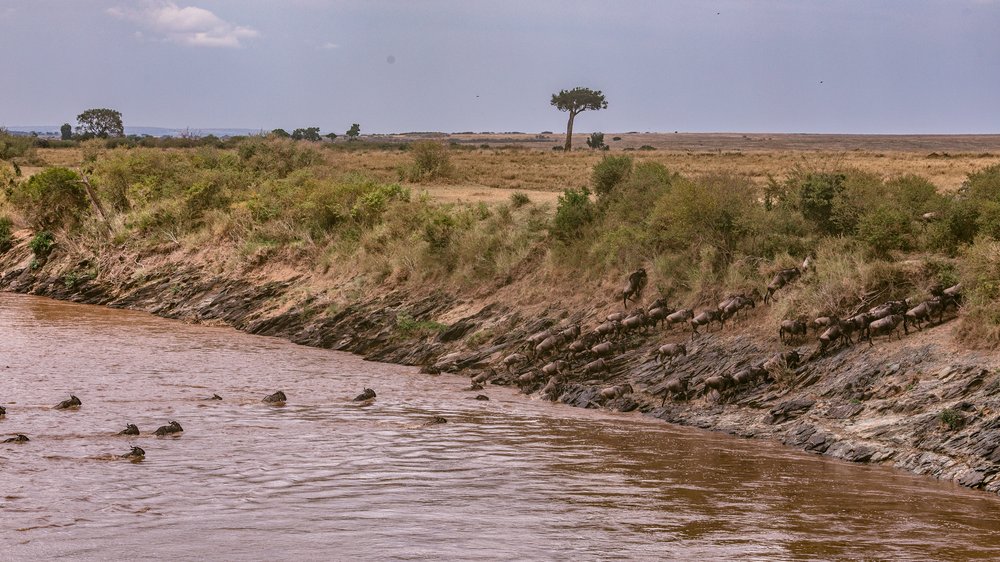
column 13, row 146
column 716, row 210
column 816, row 195
column 574, row 212
column 979, row 268
column 51, row 199
column 6, row 233
column 885, row 229
column 519, row 199
column 430, row 161
column 610, row 172
column 41, row 245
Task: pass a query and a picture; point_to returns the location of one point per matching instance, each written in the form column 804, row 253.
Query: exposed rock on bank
column 917, row 404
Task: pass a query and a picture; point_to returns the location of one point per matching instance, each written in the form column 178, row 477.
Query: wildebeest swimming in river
column 72, row 404
column 130, row 429
column 278, row 399
column 365, row 396
column 19, row 438
column 135, row 455
column 172, row 427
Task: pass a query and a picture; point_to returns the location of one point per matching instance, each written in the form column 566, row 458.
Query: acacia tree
column 576, row 101
column 66, row 132
column 354, row 132
column 102, row 123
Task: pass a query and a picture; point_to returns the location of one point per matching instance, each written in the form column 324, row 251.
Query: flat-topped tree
column 101, row 123
column 575, row 101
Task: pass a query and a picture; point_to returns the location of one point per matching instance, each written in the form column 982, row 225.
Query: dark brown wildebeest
column 616, row 391
column 925, row 311
column 555, row 368
column 719, row 383
column 633, row 286
column 608, row 328
column 682, row 315
column 706, row 318
column 823, row 322
column 792, row 328
column 675, row 387
column 634, row 322
column 548, row 345
column 731, row 306
column 886, row 326
column 604, row 349
column 831, row 335
column 658, row 315
column 671, row 351
column 72, row 404
column 513, row 359
column 780, row 279
column 599, row 365
column 172, row 427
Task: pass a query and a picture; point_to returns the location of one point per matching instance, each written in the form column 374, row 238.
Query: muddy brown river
column 324, row 479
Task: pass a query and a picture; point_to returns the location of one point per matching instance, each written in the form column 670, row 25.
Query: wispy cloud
column 190, row 25
column 329, row 46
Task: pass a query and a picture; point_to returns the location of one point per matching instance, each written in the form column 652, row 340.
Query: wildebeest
column 925, row 311
column 706, row 318
column 172, row 427
column 551, row 388
column 596, row 366
column 136, row 454
column 808, row 263
column 548, row 344
column 513, row 359
column 719, row 383
column 526, row 378
column 832, row 335
column 671, row 351
column 734, row 304
column 784, row 359
column 658, row 302
column 277, row 398
column 823, row 322
column 792, row 328
column 536, row 338
column 780, row 279
column 130, row 429
column 366, row 395
column 657, row 315
column 616, row 391
column 554, row 368
column 886, row 326
column 682, row 315
column 72, row 404
column 633, row 286
column 858, row 323
column 3, row 411
column 604, row 349
column 608, row 328
column 19, row 438
column 634, row 322
column 675, row 387
column 571, row 333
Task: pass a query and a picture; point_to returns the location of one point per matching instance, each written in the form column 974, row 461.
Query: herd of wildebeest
column 556, row 354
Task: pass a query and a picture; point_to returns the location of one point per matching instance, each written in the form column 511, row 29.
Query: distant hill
column 151, row 131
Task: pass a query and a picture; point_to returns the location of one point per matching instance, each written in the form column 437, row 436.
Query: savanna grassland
column 505, row 217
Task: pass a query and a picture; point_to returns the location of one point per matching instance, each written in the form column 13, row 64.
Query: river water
column 325, row 479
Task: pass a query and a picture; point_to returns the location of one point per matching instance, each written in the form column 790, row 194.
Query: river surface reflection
column 324, row 479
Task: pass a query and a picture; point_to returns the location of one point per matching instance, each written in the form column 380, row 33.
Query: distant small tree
column 331, row 136
column 354, row 132
column 101, row 123
column 596, row 141
column 66, row 131
column 280, row 133
column 576, row 101
column 309, row 134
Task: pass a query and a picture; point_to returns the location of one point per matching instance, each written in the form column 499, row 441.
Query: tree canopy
column 101, row 123
column 576, row 101
column 308, row 133
column 353, row 132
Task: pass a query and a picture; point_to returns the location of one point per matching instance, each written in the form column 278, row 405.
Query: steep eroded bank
column 920, row 404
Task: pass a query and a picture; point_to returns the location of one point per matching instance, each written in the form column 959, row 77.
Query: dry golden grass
column 528, row 164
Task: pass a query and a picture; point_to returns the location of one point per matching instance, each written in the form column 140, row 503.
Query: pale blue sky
column 851, row 66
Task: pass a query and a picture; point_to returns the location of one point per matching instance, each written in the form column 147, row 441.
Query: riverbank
column 922, row 403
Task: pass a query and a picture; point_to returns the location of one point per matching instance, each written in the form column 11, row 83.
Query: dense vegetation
column 258, row 200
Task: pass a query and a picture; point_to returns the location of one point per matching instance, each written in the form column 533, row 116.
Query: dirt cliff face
column 919, row 403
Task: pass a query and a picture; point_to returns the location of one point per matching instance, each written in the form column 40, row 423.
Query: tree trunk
column 569, row 132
